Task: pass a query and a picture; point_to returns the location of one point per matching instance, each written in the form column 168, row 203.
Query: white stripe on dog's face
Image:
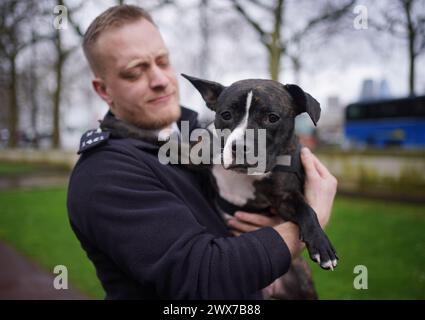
column 237, row 134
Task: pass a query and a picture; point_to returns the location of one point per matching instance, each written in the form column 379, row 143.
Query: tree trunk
column 56, row 143
column 13, row 105
column 34, row 107
column 274, row 63
column 411, row 35
column 204, row 55
column 275, row 48
column 412, row 61
column 33, row 87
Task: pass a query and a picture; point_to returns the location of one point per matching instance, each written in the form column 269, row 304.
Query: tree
column 29, row 88
column 274, row 42
column 62, row 55
column 14, row 15
column 405, row 19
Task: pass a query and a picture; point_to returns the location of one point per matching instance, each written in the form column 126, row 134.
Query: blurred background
column 364, row 61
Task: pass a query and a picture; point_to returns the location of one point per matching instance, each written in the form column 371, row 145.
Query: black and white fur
column 266, row 104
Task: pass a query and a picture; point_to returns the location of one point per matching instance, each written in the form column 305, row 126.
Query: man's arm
column 122, row 207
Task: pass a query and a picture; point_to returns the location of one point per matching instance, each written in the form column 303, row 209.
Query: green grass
column 11, row 169
column 8, row 169
column 388, row 238
column 35, row 222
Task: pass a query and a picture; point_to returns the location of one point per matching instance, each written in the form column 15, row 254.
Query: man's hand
column 320, row 186
column 246, row 222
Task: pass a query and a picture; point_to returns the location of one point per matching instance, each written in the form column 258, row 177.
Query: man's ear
column 304, row 102
column 100, row 88
column 209, row 90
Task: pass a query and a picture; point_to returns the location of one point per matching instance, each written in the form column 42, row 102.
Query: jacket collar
column 186, row 115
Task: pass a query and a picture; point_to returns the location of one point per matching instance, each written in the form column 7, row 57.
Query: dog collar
column 290, row 163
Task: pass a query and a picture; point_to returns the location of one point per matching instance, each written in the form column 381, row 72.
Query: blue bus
column 384, row 123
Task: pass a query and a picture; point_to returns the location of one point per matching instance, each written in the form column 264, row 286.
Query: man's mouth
column 161, row 99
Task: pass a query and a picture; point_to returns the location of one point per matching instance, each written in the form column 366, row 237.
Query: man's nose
column 158, row 78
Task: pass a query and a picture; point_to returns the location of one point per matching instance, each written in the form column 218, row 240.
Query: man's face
column 136, row 78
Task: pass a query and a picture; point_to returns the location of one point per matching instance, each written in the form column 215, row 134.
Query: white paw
column 327, row 265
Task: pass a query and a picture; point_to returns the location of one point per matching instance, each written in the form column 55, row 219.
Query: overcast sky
column 335, row 69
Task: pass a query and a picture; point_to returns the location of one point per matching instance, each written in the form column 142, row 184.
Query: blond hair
column 111, row 18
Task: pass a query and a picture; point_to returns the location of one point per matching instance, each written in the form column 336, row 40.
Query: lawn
column 36, row 223
column 388, row 238
column 11, row 169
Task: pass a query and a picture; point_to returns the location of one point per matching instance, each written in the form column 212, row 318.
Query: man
column 151, row 230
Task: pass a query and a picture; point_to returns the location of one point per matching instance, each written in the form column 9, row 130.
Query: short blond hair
column 113, row 17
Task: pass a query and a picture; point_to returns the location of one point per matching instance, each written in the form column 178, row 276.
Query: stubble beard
column 159, row 120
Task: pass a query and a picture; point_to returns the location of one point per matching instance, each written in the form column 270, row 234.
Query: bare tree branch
column 331, row 14
column 263, row 34
column 261, row 5
column 71, row 20
column 160, row 4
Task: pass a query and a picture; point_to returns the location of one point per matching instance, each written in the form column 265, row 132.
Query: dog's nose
column 241, row 146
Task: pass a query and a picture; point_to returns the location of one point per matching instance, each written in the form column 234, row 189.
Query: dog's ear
column 304, row 102
column 209, row 90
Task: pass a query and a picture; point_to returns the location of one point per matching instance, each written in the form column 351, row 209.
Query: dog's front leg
column 318, row 245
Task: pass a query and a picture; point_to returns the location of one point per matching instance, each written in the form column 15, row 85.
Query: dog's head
column 249, row 105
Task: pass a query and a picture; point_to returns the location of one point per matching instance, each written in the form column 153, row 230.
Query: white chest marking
column 235, row 187
column 237, row 133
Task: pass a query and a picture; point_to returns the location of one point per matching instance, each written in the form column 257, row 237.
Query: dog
column 266, row 104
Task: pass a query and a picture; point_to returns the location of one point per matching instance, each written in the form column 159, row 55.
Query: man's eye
column 131, row 76
column 163, row 63
column 226, row 115
column 273, row 118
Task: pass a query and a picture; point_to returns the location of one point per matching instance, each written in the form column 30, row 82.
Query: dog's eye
column 273, row 117
column 226, row 115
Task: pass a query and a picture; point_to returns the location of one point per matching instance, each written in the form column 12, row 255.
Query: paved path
column 22, row 279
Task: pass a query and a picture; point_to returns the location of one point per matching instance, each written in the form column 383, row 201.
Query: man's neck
column 122, row 129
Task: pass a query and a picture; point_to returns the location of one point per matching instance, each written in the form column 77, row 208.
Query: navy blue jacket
column 152, row 233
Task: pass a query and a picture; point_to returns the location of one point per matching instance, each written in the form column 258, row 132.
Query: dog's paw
column 322, row 251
